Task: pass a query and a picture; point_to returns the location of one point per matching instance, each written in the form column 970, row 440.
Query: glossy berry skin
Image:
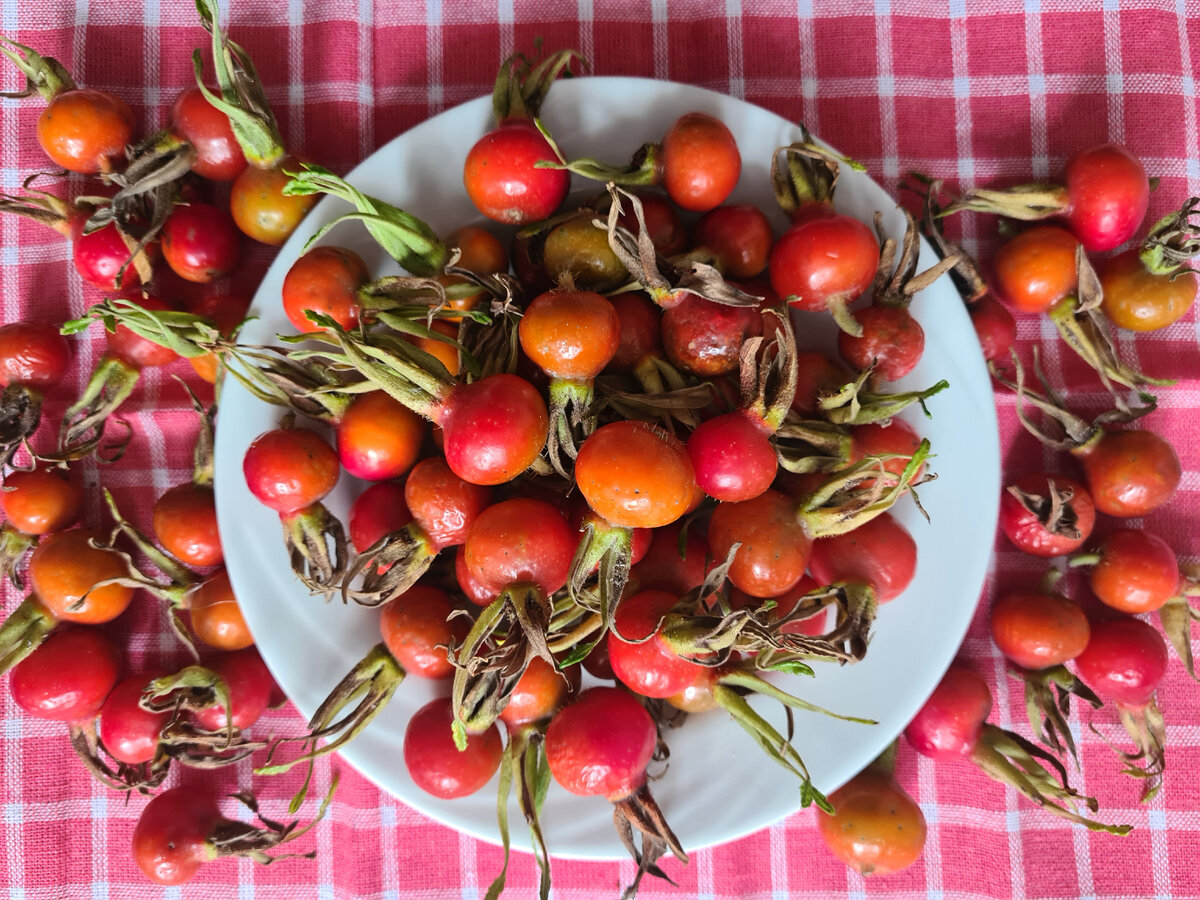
column 1109, row 194
column 601, row 744
column 1138, row 572
column 640, row 339
column 665, row 568
column 493, row 429
column 444, row 505
column 705, row 338
column 33, row 355
column 1036, row 269
column 896, row 438
column 130, row 733
column 635, row 475
column 995, row 327
column 1124, row 661
column 68, row 677
column 502, row 180
column 41, row 501
column 1137, row 299
column 289, row 469
column 416, row 631
column 377, row 511
column 877, row 828
column 218, row 157
column 824, row 259
column 700, row 162
column 640, row 657
column 740, row 236
column 663, row 224
column 185, row 523
column 948, row 726
column 379, row 438
column 200, row 242
column 259, row 206
column 63, row 571
column 170, row 840
column 99, row 256
column 579, row 250
column 1037, row 630
column 250, row 686
column 1129, row 473
column 85, row 130
column 325, row 280
column 733, row 456
column 474, row 590
column 539, row 693
column 570, row 334
column 892, row 340
column 135, row 350
column 216, row 617
column 774, row 548
column 520, row 541
column 1026, row 530
column 436, row 765
column 880, row 552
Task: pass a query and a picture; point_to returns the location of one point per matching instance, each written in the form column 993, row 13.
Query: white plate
column 719, row 786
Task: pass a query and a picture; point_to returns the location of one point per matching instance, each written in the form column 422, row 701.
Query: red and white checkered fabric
column 985, row 91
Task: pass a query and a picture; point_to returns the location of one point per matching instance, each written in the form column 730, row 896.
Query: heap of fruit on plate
column 594, row 440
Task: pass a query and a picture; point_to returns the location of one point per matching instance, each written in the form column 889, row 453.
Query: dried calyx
column 505, row 637
column 1085, row 330
column 665, row 282
column 804, row 173
column 522, row 84
column 242, row 97
column 369, row 686
column 1173, row 241
column 189, row 690
column 965, row 273
column 897, row 280
column 44, row 75
column 406, row 239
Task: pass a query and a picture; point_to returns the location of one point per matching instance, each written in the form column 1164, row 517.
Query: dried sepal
column 506, row 636
column 660, row 278
column 14, row 547
column 639, row 811
column 804, row 172
column 1053, row 510
column 389, row 567
column 23, row 631
column 965, row 272
column 242, row 97
column 81, row 432
column 1025, row 202
column 407, row 239
column 112, row 773
column 522, row 84
column 233, row 838
column 1173, row 242
column 856, row 403
column 44, row 75
column 316, row 543
column 1037, row 775
column 1048, row 703
column 369, row 686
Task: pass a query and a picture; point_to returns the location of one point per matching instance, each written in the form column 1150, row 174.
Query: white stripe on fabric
column 658, row 20
column 1011, row 798
column 1114, row 76
column 433, row 49
column 296, row 98
column 927, row 796
column 777, row 839
column 505, row 17
column 586, row 13
column 808, row 66
column 735, row 48
column 887, row 91
column 1037, row 88
column 964, row 125
column 366, row 77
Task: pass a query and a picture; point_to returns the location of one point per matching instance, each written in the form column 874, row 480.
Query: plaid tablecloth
column 982, row 91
